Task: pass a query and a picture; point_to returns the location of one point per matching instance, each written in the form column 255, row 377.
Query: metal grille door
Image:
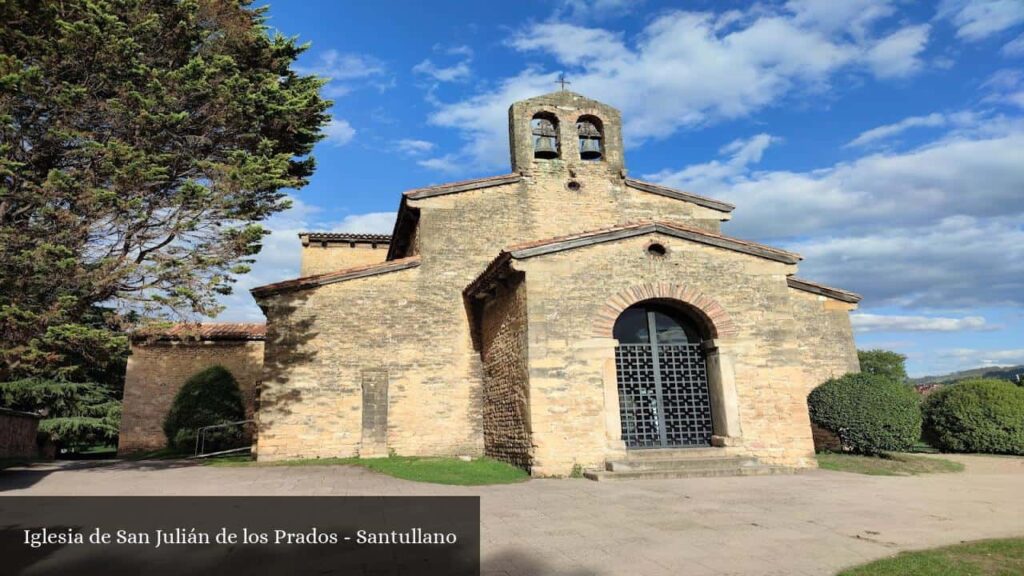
column 663, row 394
column 638, row 401
column 685, row 398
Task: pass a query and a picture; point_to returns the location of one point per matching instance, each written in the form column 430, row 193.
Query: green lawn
column 887, row 465
column 984, row 558
column 434, row 470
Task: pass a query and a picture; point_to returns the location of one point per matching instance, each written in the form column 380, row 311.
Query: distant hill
column 1001, row 372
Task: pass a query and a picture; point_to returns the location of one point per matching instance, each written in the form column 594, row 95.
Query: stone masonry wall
column 569, row 363
column 18, row 434
column 506, row 381
column 321, row 345
column 825, row 335
column 317, row 259
column 157, row 370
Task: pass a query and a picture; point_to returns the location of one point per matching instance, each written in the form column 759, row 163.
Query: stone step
column 681, row 463
column 674, row 453
column 606, row 475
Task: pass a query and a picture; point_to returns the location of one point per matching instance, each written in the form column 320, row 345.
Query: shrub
column 209, row 397
column 977, row 415
column 869, row 413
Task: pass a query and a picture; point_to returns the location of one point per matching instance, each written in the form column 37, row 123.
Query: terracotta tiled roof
column 462, row 186
column 345, row 237
column 204, row 331
column 822, row 290
column 336, row 276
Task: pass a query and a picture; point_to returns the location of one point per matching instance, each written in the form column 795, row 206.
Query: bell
column 545, row 147
column 590, row 149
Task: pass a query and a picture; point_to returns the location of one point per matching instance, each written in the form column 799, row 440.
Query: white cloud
column 852, row 16
column 277, row 261
column 889, row 130
column 958, row 262
column 897, row 55
column 713, row 176
column 971, row 357
column 975, row 172
column 863, row 322
column 338, row 66
column 343, row 69
column 749, row 150
column 413, row 147
column 461, row 50
column 687, row 69
column 1004, row 80
column 338, row 132
column 458, row 72
column 1015, row 47
column 1006, row 86
column 448, row 163
column 455, row 73
column 978, row 19
column 483, row 120
column 371, row 223
column 595, row 9
column 281, row 253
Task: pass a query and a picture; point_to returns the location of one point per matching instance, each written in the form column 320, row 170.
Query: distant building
column 926, row 389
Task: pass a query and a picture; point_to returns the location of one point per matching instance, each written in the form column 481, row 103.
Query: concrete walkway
column 814, row 523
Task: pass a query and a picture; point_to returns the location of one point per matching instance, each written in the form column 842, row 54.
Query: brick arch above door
column 715, row 314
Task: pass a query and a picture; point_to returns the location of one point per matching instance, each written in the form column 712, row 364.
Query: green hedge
column 869, row 413
column 977, row 415
column 209, row 397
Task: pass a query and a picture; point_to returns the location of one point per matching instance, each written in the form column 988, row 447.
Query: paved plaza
column 813, row 523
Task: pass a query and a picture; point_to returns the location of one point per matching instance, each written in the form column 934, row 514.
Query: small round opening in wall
column 574, row 185
column 657, row 249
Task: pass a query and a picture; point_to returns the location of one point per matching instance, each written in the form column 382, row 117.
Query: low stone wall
column 18, row 434
column 157, row 370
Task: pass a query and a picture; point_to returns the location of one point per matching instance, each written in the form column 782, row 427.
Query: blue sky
column 883, row 140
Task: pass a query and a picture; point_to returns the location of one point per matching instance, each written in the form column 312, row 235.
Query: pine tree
column 141, row 143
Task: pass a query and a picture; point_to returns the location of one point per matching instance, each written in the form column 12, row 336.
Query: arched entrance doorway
column 662, row 377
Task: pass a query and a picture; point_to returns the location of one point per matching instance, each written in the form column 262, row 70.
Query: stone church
column 560, row 317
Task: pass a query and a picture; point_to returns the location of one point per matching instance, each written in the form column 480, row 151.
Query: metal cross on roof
column 563, row 81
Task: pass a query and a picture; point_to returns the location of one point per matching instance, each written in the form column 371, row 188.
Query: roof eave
column 318, row 280
column 463, row 186
column 359, row 238
column 600, row 237
column 660, row 190
column 822, row 290
column 488, row 275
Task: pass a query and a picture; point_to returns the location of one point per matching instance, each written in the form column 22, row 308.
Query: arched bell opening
column 544, row 127
column 591, row 136
column 662, row 375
